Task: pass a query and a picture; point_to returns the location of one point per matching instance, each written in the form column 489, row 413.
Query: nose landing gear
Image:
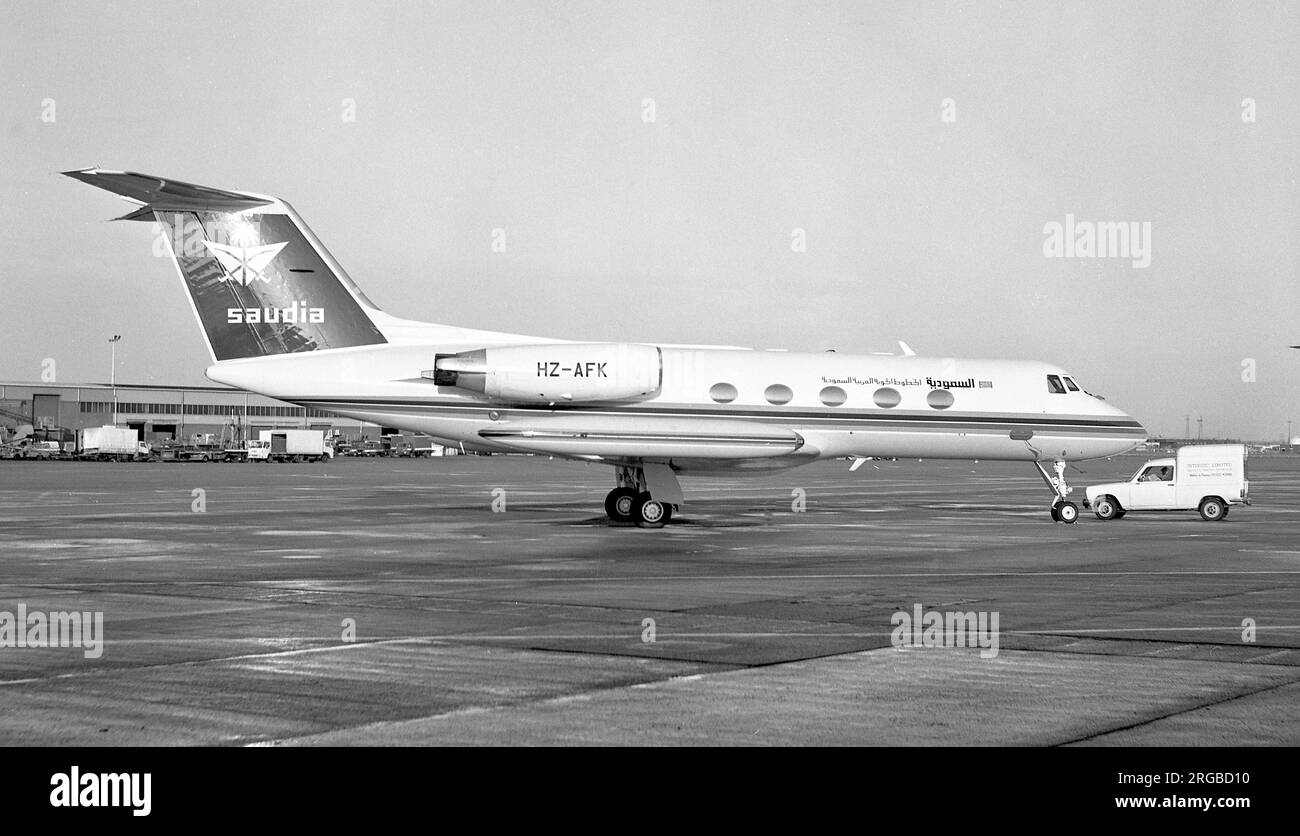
column 1063, row 510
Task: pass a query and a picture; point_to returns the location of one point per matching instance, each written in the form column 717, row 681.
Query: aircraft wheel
column 1055, row 517
column 650, row 513
column 1212, row 509
column 1106, row 509
column 1067, row 512
column 619, row 504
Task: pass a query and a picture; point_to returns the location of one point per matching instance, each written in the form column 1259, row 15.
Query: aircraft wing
column 644, row 437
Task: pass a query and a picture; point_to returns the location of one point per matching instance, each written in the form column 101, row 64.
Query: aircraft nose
column 1124, row 416
column 1133, row 432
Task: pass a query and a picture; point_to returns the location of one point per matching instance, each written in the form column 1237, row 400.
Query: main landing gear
column 1062, row 510
column 637, row 500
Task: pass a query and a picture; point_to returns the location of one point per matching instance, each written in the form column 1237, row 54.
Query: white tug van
column 1208, row 477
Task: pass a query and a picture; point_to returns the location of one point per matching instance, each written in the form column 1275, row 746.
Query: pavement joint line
column 108, row 671
column 1210, row 704
column 478, row 709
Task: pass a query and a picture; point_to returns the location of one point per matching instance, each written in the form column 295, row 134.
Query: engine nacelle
column 554, row 372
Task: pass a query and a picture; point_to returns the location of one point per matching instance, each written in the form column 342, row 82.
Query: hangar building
column 57, row 410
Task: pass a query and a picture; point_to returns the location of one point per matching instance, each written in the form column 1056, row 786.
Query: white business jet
column 282, row 318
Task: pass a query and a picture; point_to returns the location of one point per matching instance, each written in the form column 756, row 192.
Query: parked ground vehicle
column 234, row 453
column 289, row 446
column 1209, row 478
column 407, row 445
column 192, row 453
column 31, row 448
column 111, row 443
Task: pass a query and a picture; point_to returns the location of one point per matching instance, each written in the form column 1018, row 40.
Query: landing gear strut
column 1062, row 509
column 632, row 501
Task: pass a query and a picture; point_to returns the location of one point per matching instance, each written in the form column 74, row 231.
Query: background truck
column 111, row 444
column 289, row 446
column 407, row 445
column 1209, row 478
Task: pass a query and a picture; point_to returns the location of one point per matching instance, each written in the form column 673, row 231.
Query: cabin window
column 723, row 392
column 1070, row 384
column 1157, row 473
column 833, row 396
column 939, row 399
column 1054, row 385
column 778, row 394
column 887, row 398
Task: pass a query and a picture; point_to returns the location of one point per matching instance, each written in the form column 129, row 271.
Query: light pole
column 112, row 370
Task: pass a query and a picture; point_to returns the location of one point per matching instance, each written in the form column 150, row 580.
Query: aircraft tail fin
column 259, row 280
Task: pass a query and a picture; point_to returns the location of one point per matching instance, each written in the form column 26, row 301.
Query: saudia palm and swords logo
column 245, row 265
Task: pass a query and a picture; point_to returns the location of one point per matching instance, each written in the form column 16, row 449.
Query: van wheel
column 1106, row 508
column 1212, row 509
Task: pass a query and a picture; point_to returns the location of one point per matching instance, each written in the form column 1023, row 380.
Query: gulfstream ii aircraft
column 282, row 318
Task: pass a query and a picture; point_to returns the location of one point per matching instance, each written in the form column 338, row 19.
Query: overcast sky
column 677, row 225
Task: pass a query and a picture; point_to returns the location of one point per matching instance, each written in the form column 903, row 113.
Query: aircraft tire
column 620, row 503
column 651, row 513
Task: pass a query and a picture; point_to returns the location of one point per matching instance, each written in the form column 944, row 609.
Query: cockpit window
column 1074, row 387
column 1054, row 385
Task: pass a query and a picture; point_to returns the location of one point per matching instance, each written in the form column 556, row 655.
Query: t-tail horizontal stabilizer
column 260, row 282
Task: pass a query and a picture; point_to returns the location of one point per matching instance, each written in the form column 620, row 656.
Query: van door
column 1154, row 489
